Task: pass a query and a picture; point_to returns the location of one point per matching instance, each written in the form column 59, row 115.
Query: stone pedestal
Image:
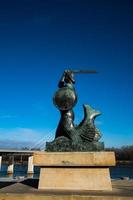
column 74, row 170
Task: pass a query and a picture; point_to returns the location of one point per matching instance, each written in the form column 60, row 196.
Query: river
column 21, row 170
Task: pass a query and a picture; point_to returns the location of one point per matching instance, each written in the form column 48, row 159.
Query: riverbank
column 26, row 189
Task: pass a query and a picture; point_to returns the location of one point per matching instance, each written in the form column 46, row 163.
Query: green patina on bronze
column 71, row 137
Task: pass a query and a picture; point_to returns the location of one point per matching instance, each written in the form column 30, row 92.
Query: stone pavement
column 27, row 189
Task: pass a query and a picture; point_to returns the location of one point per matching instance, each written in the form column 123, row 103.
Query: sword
column 68, row 76
column 81, row 71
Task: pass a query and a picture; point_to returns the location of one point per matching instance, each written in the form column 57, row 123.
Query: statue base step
column 74, row 170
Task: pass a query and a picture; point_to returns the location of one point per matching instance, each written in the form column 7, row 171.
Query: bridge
column 10, row 155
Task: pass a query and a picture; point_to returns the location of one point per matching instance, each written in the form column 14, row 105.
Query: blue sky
column 39, row 39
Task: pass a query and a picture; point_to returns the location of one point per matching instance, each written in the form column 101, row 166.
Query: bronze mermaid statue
column 71, row 137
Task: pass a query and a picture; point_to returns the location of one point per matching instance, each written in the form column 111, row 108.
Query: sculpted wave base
column 63, row 144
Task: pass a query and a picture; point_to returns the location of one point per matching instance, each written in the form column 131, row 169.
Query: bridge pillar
column 0, row 162
column 30, row 165
column 10, row 167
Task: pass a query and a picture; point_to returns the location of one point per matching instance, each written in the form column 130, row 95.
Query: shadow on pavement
column 5, row 184
column 31, row 182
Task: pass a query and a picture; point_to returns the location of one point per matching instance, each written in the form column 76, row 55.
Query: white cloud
column 27, row 136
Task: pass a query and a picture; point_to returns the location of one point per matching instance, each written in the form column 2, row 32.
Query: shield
column 65, row 98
